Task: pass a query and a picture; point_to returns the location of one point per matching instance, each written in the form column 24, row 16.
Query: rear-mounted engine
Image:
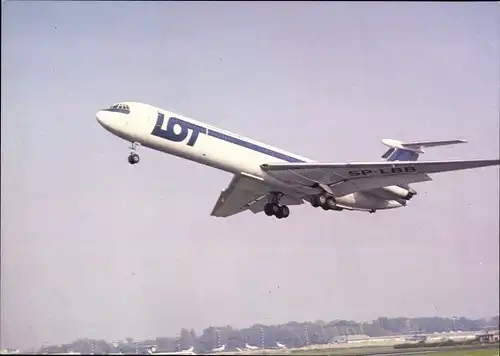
column 399, row 192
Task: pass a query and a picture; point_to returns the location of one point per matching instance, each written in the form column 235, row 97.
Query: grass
column 354, row 351
column 484, row 352
column 472, row 350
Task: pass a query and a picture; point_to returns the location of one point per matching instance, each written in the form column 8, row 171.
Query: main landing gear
column 133, row 158
column 325, row 201
column 274, row 208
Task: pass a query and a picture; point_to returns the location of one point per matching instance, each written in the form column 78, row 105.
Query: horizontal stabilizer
column 433, row 143
column 418, row 146
column 409, row 151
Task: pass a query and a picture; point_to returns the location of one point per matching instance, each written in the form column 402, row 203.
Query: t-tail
column 401, row 151
column 409, row 151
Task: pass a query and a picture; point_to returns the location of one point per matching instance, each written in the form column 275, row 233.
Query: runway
column 374, row 351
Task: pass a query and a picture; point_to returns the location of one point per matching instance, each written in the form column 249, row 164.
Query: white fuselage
column 178, row 135
column 219, row 349
column 250, row 347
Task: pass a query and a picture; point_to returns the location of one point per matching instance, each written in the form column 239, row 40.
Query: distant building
column 342, row 339
column 417, row 338
column 357, row 338
column 488, row 336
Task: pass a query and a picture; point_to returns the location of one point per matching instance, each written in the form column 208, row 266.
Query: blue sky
column 94, row 247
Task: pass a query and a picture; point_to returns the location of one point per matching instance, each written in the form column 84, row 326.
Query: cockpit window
column 121, row 108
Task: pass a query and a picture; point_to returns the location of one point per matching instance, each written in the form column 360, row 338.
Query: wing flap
column 243, row 191
column 247, row 192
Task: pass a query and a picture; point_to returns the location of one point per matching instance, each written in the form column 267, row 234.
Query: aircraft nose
column 102, row 118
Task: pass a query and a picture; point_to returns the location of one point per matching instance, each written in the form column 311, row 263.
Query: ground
column 484, row 352
column 473, row 350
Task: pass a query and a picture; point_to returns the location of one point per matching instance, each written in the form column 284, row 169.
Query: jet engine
column 399, row 192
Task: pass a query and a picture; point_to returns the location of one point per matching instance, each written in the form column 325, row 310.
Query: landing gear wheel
column 268, row 209
column 284, row 211
column 327, row 202
column 133, row 158
column 280, row 211
column 330, row 202
column 271, row 209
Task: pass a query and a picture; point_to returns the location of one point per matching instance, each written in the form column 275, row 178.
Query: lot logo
column 177, row 130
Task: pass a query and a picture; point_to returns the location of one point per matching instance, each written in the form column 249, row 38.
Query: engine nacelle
column 399, row 192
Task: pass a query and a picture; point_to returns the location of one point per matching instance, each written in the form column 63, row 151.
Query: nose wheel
column 133, row 158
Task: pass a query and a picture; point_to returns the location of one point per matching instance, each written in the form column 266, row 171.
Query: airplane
column 219, row 349
column 268, row 179
column 250, row 347
column 189, row 351
column 281, row 346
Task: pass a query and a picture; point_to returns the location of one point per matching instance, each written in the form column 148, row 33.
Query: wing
column 346, row 178
column 246, row 192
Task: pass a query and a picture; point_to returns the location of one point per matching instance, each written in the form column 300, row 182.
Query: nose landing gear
column 133, row 158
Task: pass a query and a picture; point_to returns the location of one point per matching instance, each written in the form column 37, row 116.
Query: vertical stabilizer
column 400, row 151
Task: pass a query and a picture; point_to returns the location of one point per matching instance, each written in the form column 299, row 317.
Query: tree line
column 291, row 334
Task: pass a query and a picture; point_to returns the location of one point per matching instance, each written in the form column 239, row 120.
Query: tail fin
column 400, row 151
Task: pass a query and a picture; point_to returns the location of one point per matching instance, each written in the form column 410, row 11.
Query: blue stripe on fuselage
column 252, row 146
